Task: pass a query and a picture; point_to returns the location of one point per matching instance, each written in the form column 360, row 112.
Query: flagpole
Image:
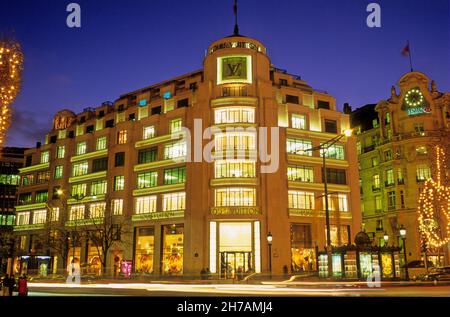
column 235, row 10
column 410, row 58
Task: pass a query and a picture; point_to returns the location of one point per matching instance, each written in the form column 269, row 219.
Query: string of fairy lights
column 11, row 65
column 434, row 205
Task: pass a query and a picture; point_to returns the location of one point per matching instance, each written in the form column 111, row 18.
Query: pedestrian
column 23, row 286
column 11, row 285
column 5, row 285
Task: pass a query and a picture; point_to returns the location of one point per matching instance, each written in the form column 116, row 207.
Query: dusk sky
column 126, row 45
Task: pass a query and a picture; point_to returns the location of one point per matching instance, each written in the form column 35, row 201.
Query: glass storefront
column 387, row 265
column 365, row 263
column 74, row 253
column 144, row 250
column 94, row 264
column 172, row 251
column 303, row 257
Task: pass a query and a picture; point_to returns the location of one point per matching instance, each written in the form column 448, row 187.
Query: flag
column 405, row 50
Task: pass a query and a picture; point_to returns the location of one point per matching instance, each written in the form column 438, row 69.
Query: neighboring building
column 395, row 145
column 184, row 216
column 11, row 159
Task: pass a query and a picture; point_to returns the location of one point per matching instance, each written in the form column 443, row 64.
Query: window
column 391, row 200
column 375, row 161
column 336, row 202
column 79, row 169
column 122, row 137
column 419, row 128
column 300, row 147
column 117, row 207
column 388, row 155
column 60, row 151
column 79, row 190
column 174, row 201
column 23, row 218
column 300, row 200
column 235, row 196
column 298, row 121
column 335, row 151
column 376, row 182
column 41, row 196
column 81, row 148
column 234, row 168
column 344, row 234
column 183, row 103
column 390, row 177
column 300, row 173
column 119, row 159
column 147, row 180
column 147, row 156
column 53, row 139
column 90, row 129
column 423, row 172
column 39, row 216
column 156, row 110
column 283, row 82
column 335, row 176
column 119, row 182
column 234, row 115
column 76, row 212
column 149, row 132
column 45, row 156
column 421, row 150
column 97, row 210
column 400, row 177
column 99, row 165
column 145, row 204
column 101, row 143
column 378, row 205
column 175, row 175
column 98, row 188
column 375, row 123
column 43, row 177
column 175, row 150
column 323, row 104
column 388, row 118
column 292, row 99
column 109, row 123
column 330, row 126
column 28, row 180
column 175, row 125
column 25, row 198
column 235, row 141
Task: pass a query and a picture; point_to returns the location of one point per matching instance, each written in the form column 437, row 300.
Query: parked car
column 417, row 269
column 439, row 274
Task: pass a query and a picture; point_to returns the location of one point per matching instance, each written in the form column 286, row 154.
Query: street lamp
column 386, row 238
column 269, row 242
column 324, row 148
column 403, row 235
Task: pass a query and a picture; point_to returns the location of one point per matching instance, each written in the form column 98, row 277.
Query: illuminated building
column 184, row 216
column 11, row 159
column 396, row 140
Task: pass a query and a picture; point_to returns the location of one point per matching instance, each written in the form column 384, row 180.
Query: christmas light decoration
column 434, row 205
column 11, row 65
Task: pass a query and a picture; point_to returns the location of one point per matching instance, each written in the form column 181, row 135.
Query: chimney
column 347, row 108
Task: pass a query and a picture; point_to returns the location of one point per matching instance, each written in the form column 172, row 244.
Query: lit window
column 149, row 132
column 336, row 202
column 234, row 115
column 81, row 148
column 174, row 201
column 378, row 205
column 76, row 212
column 117, row 207
column 421, row 150
column 79, row 190
column 423, row 172
column 175, row 175
column 58, row 171
column 300, row 147
column 23, row 218
column 391, row 200
column 175, row 150
column 235, row 141
column 335, row 151
column 41, row 196
column 119, row 182
column 300, row 200
column 97, row 210
column 147, row 180
column 175, row 125
column 234, row 168
column 45, row 156
column 54, row 214
column 98, row 188
column 145, row 204
column 39, row 216
column 298, row 121
column 235, row 196
column 375, row 161
column 122, row 137
column 79, row 169
column 376, row 181
column 101, row 143
column 60, row 151
column 300, row 173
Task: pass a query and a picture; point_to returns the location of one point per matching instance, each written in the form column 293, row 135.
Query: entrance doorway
column 235, row 264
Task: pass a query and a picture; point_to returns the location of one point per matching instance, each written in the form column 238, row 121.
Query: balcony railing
column 234, row 92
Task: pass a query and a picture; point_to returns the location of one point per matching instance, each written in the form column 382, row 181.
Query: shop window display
column 172, row 252
column 302, row 253
column 94, row 264
column 145, row 248
column 387, row 265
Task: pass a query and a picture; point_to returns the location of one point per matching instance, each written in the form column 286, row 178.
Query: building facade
column 11, row 159
column 396, row 147
column 192, row 199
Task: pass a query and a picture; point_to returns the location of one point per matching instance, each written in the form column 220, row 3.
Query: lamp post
column 324, row 148
column 403, row 235
column 269, row 242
